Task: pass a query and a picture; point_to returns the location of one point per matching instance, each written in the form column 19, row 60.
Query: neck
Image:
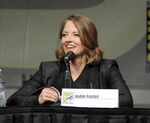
column 77, row 64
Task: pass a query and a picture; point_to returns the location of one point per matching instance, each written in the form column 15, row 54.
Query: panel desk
column 58, row 114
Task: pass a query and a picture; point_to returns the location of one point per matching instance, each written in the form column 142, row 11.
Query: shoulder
column 48, row 67
column 50, row 63
column 107, row 64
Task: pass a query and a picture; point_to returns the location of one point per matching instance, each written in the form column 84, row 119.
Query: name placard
column 96, row 98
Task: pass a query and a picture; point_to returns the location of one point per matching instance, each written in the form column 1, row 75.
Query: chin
column 69, row 50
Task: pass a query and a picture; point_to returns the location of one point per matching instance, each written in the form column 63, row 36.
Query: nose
column 69, row 38
column 68, row 41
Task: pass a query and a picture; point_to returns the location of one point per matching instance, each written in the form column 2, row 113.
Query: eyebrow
column 67, row 32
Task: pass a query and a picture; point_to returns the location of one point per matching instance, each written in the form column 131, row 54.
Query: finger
column 50, row 98
column 51, row 95
column 58, row 93
column 48, row 94
column 51, row 91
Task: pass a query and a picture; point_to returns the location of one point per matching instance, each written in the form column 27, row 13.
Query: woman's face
column 71, row 39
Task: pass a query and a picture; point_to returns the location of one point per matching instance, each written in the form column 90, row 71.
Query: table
column 58, row 114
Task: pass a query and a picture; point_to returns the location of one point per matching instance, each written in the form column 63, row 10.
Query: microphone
column 69, row 55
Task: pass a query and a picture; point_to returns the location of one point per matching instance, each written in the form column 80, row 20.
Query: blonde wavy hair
column 88, row 36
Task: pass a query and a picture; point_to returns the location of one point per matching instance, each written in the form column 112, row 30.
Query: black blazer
column 109, row 78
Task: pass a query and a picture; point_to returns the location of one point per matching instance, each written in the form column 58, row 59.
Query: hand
column 49, row 94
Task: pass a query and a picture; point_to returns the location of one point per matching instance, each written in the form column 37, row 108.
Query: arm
column 115, row 81
column 24, row 96
column 37, row 90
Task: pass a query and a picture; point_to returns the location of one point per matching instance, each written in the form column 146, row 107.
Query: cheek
column 63, row 44
column 80, row 43
column 62, row 41
column 82, row 47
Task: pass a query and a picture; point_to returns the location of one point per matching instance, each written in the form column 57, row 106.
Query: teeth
column 70, row 46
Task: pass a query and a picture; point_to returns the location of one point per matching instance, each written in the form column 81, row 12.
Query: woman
column 88, row 68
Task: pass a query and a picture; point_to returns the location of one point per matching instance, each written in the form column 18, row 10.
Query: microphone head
column 69, row 56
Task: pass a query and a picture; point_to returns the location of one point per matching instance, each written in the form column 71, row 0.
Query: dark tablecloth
column 58, row 114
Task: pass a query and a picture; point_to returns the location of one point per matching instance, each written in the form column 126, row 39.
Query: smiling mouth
column 68, row 46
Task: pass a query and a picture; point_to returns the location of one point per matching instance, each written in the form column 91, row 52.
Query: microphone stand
column 68, row 79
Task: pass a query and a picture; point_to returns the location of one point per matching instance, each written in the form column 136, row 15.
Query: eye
column 63, row 35
column 76, row 34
